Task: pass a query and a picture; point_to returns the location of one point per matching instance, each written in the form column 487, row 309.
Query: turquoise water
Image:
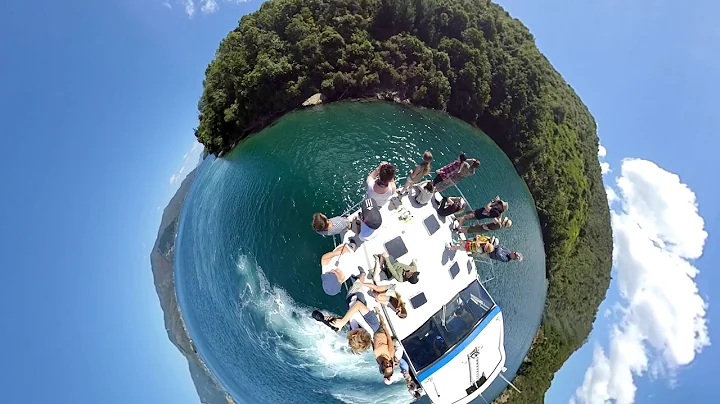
column 247, row 261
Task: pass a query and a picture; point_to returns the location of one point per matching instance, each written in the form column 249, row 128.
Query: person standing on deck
column 416, row 174
column 447, row 171
column 455, row 171
column 380, row 183
column 467, row 168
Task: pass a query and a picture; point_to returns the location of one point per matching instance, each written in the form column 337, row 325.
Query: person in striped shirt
column 329, row 227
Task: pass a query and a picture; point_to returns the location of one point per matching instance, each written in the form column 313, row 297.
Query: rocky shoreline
column 162, row 259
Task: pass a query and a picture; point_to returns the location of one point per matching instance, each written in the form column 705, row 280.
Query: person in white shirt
column 425, row 190
column 380, row 183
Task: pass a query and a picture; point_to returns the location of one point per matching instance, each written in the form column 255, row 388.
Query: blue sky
column 98, row 101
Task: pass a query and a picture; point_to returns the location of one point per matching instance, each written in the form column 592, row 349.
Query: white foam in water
column 315, row 348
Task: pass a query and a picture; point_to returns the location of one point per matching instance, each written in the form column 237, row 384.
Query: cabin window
column 449, row 326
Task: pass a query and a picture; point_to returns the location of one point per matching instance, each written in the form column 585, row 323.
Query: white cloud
column 190, row 160
column 604, row 166
column 189, row 7
column 206, row 6
column 661, row 322
column 602, row 151
column 209, row 6
column 611, row 195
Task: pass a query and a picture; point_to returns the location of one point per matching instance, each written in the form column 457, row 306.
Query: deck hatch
column 454, row 270
column 418, row 300
column 396, row 247
column 431, row 224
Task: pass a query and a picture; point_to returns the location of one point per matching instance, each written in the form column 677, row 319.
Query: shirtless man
column 384, row 349
column 333, row 278
column 493, row 209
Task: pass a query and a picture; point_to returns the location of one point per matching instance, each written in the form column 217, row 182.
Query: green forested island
column 469, row 59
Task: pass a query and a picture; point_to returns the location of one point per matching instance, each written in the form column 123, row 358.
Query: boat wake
column 285, row 331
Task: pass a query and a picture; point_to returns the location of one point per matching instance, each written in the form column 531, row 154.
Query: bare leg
column 376, row 271
column 469, row 215
column 381, row 298
column 407, row 186
column 454, row 246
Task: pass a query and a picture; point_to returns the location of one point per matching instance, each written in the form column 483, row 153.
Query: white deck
column 447, row 379
column 433, row 261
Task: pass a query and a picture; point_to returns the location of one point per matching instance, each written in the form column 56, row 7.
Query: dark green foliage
column 469, row 58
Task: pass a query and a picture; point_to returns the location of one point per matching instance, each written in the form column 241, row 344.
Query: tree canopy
column 468, row 58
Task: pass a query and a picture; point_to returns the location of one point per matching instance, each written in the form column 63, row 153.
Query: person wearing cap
column 380, row 183
column 493, row 209
column 496, row 224
column 503, row 254
column 450, row 205
column 478, row 245
column 398, row 271
column 370, row 217
column 333, row 276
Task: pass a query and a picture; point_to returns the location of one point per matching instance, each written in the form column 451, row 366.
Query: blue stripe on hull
column 460, row 347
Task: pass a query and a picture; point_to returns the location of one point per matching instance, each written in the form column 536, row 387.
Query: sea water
column 247, row 260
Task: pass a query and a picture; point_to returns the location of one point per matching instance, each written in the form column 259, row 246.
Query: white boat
column 453, row 334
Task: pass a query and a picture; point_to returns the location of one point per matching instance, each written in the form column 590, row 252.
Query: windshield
column 450, row 325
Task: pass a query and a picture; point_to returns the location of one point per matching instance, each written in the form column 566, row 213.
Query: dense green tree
column 468, row 58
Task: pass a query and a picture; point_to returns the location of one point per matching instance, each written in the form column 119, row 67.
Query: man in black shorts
column 496, row 224
column 494, row 209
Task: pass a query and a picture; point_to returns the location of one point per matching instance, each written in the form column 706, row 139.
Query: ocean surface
column 247, row 261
